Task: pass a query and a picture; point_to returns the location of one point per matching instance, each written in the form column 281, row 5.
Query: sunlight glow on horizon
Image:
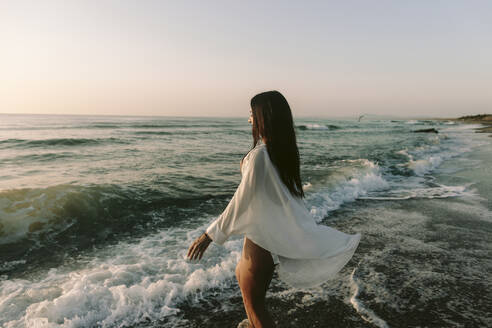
column 209, row 59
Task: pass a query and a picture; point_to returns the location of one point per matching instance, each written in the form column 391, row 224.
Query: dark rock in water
column 485, row 129
column 431, row 130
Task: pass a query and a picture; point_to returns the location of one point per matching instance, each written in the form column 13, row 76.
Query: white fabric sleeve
column 233, row 219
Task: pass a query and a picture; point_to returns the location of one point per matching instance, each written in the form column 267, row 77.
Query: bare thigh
column 254, row 271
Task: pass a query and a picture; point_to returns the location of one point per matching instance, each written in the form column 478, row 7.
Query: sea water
column 97, row 214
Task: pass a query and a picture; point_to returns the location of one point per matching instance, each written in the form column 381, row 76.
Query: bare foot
column 244, row 324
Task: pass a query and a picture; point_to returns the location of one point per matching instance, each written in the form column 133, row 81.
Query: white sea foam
column 122, row 285
column 423, row 166
column 315, row 126
column 425, row 159
column 366, row 314
column 362, row 178
column 441, row 191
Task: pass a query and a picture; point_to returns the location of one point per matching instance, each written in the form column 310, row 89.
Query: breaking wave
column 59, row 142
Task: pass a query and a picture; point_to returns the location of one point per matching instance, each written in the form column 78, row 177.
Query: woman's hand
column 199, row 246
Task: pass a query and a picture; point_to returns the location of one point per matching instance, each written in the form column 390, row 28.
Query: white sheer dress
column 264, row 210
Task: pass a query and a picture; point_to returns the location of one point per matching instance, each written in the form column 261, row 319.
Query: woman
column 268, row 209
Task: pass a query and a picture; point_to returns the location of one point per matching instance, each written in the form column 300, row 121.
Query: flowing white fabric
column 264, row 210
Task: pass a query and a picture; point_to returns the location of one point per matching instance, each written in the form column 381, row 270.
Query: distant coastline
column 484, row 119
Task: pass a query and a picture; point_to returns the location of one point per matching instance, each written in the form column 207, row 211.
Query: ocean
column 97, row 214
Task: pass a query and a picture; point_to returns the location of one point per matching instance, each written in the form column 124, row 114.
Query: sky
column 208, row 58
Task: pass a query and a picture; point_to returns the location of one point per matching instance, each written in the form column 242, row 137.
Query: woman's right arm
column 196, row 250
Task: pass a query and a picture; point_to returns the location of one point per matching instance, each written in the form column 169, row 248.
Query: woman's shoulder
column 256, row 150
column 254, row 153
column 259, row 147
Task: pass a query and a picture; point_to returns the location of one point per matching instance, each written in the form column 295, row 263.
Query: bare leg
column 254, row 273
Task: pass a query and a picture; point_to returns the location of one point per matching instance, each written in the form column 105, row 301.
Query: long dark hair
column 272, row 120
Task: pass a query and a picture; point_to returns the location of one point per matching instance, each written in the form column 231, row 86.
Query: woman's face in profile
column 250, row 119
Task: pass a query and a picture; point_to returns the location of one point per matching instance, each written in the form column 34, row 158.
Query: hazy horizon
column 335, row 117
column 194, row 59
